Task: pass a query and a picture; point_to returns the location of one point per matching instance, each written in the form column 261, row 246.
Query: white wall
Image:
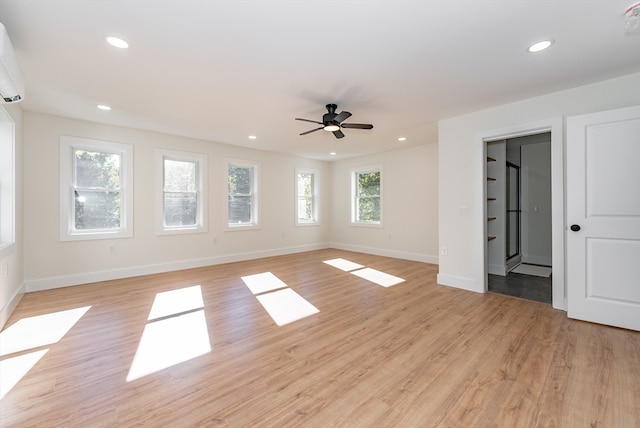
column 11, row 258
column 536, row 203
column 50, row 263
column 410, row 205
column 460, row 157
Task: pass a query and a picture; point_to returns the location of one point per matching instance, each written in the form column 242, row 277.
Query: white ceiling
column 223, row 70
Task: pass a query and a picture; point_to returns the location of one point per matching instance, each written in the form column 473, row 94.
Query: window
column 96, row 189
column 306, row 197
column 242, row 194
column 7, row 180
column 182, row 196
column 366, row 205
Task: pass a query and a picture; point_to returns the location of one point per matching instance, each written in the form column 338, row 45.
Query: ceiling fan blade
column 338, row 134
column 307, row 120
column 357, row 125
column 342, row 116
column 313, row 130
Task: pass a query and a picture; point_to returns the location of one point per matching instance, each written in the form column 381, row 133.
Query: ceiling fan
column 332, row 122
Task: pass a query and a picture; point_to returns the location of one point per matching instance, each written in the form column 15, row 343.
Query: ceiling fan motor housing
column 328, row 118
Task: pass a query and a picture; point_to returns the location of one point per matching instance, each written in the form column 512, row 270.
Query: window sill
column 95, row 236
column 181, row 231
column 367, row 224
column 307, row 223
column 237, row 227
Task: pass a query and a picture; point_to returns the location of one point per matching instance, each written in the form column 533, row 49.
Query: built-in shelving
column 490, row 198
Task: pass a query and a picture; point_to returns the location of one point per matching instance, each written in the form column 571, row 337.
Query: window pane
column 97, row 169
column 239, row 209
column 305, row 196
column 367, row 196
column 180, row 209
column 369, row 209
column 369, row 183
column 179, row 176
column 97, row 210
column 305, row 208
column 305, row 182
column 240, row 180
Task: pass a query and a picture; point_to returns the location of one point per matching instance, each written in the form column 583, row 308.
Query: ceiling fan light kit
column 332, row 122
column 632, row 19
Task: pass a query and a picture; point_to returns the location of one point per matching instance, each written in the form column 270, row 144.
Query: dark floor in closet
column 525, row 286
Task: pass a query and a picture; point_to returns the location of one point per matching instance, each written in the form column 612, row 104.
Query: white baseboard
column 497, row 270
column 414, row 257
column 459, row 282
column 8, row 309
column 89, row 277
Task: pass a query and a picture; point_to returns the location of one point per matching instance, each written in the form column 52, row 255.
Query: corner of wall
column 11, row 305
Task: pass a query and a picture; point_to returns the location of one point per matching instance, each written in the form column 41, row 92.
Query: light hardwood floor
column 413, row 355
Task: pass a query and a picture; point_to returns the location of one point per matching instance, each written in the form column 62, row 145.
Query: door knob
column 575, row 227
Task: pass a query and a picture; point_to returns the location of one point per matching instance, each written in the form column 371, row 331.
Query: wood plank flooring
column 412, row 355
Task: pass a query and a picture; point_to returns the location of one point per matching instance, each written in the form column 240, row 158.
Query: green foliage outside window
column 305, row 196
column 240, row 194
column 368, row 196
column 97, row 190
column 180, row 193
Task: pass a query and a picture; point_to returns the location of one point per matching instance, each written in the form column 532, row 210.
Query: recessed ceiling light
column 402, row 138
column 252, row 137
column 540, row 46
column 103, row 107
column 117, row 42
column 333, row 153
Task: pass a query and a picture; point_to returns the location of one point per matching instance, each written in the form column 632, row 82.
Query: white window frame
column 67, row 147
column 7, row 180
column 314, row 197
column 355, row 221
column 255, row 194
column 201, row 191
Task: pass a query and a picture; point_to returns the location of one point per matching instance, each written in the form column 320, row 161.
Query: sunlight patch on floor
column 286, row 306
column 378, row 277
column 39, row 330
column 173, row 302
column 30, row 333
column 281, row 303
column 177, row 332
column 263, row 282
column 14, row 368
column 343, row 264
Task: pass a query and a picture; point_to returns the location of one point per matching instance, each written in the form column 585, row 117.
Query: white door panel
column 603, row 199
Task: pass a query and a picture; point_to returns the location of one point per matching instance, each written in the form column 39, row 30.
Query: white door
column 603, row 217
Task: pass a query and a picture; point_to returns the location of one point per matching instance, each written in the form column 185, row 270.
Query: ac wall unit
column 11, row 78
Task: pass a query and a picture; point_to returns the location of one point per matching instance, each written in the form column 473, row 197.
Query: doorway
column 519, row 217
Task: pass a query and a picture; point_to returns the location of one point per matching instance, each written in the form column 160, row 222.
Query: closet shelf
column 491, row 218
column 491, row 199
column 491, row 179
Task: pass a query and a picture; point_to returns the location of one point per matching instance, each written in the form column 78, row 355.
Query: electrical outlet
column 444, row 251
column 111, row 248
